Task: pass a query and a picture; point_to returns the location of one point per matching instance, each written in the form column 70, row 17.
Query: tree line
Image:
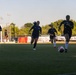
column 15, row 31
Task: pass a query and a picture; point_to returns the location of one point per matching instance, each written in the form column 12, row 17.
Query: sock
column 54, row 44
column 35, row 45
column 66, row 45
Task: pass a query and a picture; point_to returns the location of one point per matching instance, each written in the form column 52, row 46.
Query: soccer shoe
column 65, row 50
column 34, row 49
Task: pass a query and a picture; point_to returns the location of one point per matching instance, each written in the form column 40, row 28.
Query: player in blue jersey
column 37, row 30
column 68, row 26
column 52, row 31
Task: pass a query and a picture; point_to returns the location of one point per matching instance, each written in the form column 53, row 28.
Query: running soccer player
column 37, row 30
column 52, row 32
column 68, row 26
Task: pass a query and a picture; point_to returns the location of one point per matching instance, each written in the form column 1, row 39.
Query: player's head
column 38, row 22
column 67, row 17
column 34, row 23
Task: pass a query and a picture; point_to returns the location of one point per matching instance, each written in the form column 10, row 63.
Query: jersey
column 68, row 26
column 36, row 30
column 52, row 31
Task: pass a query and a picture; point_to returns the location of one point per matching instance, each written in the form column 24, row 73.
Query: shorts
column 69, row 33
column 52, row 37
column 35, row 36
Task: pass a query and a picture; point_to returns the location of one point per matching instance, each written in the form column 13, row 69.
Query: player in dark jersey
column 52, row 32
column 68, row 26
column 37, row 30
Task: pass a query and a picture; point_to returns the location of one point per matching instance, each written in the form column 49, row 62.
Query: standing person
column 52, row 32
column 37, row 30
column 68, row 26
column 6, row 35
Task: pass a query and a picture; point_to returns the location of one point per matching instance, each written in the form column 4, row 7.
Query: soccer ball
column 61, row 49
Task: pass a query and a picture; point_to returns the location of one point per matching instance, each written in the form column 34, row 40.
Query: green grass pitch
column 20, row 59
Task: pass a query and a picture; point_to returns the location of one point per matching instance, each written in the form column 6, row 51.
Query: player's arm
column 60, row 25
column 31, row 28
column 48, row 32
column 72, row 25
column 40, row 30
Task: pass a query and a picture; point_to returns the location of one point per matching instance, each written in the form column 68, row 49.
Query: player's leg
column 32, row 40
column 67, row 41
column 54, row 42
column 51, row 39
column 35, row 43
column 70, row 34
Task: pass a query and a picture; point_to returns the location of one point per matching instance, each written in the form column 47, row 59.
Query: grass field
column 20, row 59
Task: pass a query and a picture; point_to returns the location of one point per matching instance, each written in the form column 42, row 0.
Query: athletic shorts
column 69, row 33
column 52, row 37
column 35, row 36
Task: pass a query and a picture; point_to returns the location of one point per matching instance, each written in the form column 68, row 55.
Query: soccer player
column 37, row 30
column 52, row 32
column 68, row 26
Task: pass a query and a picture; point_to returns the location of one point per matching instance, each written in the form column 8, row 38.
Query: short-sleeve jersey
column 36, row 30
column 68, row 26
column 52, row 31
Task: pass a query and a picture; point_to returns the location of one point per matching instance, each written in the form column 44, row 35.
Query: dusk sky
column 46, row 11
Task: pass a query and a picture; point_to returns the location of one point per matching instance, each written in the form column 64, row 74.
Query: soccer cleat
column 65, row 50
column 34, row 49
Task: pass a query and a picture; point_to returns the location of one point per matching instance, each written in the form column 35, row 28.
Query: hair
column 38, row 21
column 67, row 16
column 35, row 23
